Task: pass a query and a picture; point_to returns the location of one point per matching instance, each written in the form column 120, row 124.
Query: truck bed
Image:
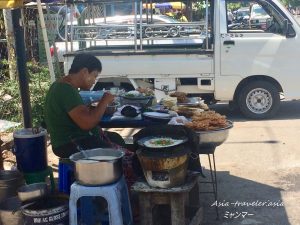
column 155, row 61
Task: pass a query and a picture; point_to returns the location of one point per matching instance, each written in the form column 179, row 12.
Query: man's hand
column 87, row 118
column 107, row 98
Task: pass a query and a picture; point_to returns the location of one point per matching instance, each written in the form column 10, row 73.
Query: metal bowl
column 213, row 138
column 111, row 109
column 32, row 191
column 141, row 101
column 91, row 171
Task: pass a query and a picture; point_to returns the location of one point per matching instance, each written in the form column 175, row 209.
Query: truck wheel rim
column 259, row 101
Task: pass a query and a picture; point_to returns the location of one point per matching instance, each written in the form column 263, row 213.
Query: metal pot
column 10, row 181
column 10, row 213
column 213, row 138
column 91, row 170
column 32, row 191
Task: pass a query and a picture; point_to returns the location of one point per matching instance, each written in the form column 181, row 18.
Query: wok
column 213, row 138
column 169, row 131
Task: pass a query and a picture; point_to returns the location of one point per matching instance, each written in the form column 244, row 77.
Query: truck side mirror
column 288, row 29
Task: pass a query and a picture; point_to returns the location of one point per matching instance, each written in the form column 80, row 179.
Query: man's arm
column 87, row 118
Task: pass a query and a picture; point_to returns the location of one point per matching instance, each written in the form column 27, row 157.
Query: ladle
column 86, row 157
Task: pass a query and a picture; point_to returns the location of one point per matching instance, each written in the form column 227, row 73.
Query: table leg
column 145, row 209
column 178, row 209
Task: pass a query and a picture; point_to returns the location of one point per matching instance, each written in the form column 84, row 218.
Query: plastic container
column 31, row 150
column 65, row 175
column 91, row 96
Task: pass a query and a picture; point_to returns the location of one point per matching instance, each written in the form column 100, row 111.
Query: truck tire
column 259, row 100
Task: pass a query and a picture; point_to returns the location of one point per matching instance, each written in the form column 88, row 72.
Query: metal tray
column 145, row 141
column 194, row 101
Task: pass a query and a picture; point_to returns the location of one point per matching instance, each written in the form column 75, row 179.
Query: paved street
column 260, row 161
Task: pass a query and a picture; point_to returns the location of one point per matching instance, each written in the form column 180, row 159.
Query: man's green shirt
column 61, row 99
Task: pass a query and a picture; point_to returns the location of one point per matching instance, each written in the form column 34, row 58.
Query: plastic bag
column 178, row 120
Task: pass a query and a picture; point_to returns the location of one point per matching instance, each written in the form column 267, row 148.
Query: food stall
column 166, row 152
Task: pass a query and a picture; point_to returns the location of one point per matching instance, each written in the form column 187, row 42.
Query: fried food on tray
column 187, row 111
column 207, row 120
column 181, row 96
column 146, row 91
column 169, row 102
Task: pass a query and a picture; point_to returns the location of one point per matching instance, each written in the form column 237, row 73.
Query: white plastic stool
column 115, row 194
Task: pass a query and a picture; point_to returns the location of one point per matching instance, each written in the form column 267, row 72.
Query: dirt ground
column 9, row 159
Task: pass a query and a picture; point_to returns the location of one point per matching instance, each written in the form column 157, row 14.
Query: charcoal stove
column 164, row 167
column 164, row 170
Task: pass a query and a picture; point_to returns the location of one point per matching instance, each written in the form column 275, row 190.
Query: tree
column 10, row 40
column 291, row 3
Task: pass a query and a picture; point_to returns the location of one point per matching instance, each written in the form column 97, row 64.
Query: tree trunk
column 10, row 43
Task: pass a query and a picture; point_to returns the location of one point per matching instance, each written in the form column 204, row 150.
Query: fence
column 33, row 36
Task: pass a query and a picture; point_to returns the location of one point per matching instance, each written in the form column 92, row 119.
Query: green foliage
column 39, row 82
column 292, row 3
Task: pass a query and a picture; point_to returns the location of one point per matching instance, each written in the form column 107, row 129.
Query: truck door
column 250, row 45
column 257, row 45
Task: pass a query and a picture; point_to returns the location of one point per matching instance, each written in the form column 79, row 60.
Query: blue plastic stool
column 65, row 175
column 116, row 195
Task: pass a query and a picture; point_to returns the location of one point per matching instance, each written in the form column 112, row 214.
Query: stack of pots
column 10, row 181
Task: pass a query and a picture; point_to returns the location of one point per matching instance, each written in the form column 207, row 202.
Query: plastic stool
column 116, row 195
column 40, row 176
column 65, row 175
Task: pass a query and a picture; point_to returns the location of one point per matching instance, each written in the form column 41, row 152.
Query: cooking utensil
column 141, row 101
column 146, row 141
column 213, row 138
column 193, row 101
column 32, row 191
column 170, row 131
column 111, row 108
column 96, row 171
column 157, row 117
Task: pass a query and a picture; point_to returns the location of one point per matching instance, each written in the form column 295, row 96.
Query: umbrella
column 8, row 4
column 170, row 5
column 165, row 5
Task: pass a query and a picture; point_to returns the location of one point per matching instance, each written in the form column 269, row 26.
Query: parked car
column 242, row 15
column 258, row 17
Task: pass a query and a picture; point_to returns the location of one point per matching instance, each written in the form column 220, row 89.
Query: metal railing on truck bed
column 141, row 30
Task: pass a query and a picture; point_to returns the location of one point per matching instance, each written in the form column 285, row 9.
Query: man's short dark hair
column 85, row 61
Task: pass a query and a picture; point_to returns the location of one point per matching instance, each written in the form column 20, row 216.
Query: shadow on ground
column 234, row 193
column 288, row 110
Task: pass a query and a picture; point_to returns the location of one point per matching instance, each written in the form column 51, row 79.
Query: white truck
column 249, row 67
